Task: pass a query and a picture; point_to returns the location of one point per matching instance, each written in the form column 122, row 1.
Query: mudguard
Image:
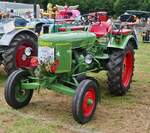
column 124, row 40
column 8, row 37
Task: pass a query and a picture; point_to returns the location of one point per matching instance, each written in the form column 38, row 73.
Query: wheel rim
column 20, row 94
column 127, row 68
column 89, row 102
column 21, row 59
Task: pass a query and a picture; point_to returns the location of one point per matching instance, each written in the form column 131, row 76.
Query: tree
column 120, row 6
column 145, row 5
column 114, row 7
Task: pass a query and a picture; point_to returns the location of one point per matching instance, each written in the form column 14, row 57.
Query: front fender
column 8, row 37
column 124, row 40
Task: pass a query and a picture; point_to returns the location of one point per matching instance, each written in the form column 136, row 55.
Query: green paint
column 104, row 56
column 75, row 39
column 90, row 101
column 64, row 55
column 55, row 86
column 30, row 86
column 122, row 43
column 62, row 89
column 21, row 94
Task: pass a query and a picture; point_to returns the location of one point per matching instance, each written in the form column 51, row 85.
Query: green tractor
column 62, row 64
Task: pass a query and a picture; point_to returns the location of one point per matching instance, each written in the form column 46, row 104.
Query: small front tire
column 15, row 96
column 85, row 101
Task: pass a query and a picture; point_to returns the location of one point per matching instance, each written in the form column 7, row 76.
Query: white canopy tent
column 18, row 8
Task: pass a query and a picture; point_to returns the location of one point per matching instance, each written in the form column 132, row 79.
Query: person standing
column 11, row 13
column 1, row 15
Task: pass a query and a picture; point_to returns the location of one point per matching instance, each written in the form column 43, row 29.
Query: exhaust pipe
column 35, row 9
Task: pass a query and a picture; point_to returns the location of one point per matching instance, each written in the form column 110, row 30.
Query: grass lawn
column 50, row 112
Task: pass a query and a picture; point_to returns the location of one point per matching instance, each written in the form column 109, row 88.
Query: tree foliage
column 114, row 7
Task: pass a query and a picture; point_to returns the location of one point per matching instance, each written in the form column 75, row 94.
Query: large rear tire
column 15, row 96
column 120, row 70
column 14, row 56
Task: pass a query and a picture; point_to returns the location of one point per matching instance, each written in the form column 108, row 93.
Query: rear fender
column 7, row 38
column 123, row 42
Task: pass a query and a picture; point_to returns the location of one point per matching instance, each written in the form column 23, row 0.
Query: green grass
column 29, row 125
column 13, row 121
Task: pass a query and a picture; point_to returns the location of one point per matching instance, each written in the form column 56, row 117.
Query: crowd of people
column 11, row 14
column 64, row 11
column 7, row 14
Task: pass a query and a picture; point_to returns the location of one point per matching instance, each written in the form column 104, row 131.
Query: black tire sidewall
column 11, row 83
column 78, row 101
column 115, row 71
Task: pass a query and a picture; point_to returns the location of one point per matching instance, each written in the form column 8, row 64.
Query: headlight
column 46, row 55
column 89, row 59
column 28, row 51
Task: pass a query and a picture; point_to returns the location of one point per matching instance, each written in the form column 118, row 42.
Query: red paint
column 22, row 60
column 57, row 63
column 88, row 109
column 73, row 28
column 54, row 66
column 34, row 61
column 121, row 32
column 128, row 68
column 102, row 16
column 53, row 69
column 101, row 29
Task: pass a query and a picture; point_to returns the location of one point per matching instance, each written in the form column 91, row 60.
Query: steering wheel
column 88, row 19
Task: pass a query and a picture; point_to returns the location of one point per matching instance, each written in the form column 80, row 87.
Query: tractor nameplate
column 46, row 55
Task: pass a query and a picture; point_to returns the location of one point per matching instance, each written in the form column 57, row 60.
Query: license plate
column 46, row 55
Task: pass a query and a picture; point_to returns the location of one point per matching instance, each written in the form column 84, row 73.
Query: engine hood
column 76, row 39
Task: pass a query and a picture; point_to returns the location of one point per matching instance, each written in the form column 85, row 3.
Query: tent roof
column 4, row 6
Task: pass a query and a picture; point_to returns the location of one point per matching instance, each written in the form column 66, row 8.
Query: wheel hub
column 20, row 94
column 89, row 102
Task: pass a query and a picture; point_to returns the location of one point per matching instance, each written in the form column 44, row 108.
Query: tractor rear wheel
column 15, row 57
column 120, row 70
column 15, row 96
column 85, row 101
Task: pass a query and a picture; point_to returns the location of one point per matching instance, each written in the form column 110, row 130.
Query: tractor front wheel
column 16, row 96
column 120, row 70
column 85, row 101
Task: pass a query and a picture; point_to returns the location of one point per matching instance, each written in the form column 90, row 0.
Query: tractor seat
column 101, row 29
column 72, row 28
column 122, row 32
